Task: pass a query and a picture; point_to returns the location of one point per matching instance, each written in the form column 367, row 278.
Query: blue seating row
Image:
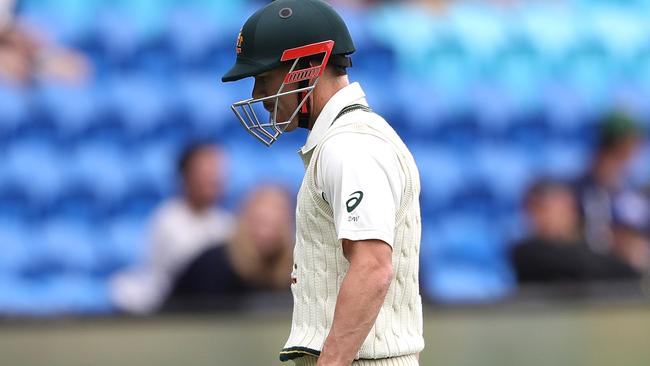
column 488, row 99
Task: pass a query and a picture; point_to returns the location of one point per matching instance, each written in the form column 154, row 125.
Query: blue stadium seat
column 281, row 165
column 530, row 131
column 432, row 110
column 592, row 73
column 142, row 105
column 16, row 248
column 486, row 100
column 640, row 72
column 154, row 165
column 53, row 295
column 376, row 58
column 520, row 74
column 117, row 38
column 72, row 109
column 563, row 160
column 15, row 109
column 441, row 175
column 374, row 53
column 478, row 30
column 379, row 89
column 129, row 35
column 38, row 168
column 244, row 162
column 76, row 294
column 622, row 30
column 140, row 200
column 413, row 43
column 251, row 164
column 148, row 15
column 206, row 104
column 493, row 109
column 566, row 110
column 550, row 29
column 15, row 203
column 103, row 170
column 193, row 38
column 66, row 21
column 68, row 245
column 464, row 262
column 229, row 12
column 459, row 284
column 357, row 20
column 450, row 71
column 126, row 242
column 242, row 89
column 506, row 170
column 18, row 297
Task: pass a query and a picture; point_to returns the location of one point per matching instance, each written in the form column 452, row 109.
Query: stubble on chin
column 291, row 126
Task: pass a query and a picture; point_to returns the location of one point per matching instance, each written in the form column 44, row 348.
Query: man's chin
column 291, row 126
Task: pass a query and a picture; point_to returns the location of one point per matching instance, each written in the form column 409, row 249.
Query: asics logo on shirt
column 354, row 201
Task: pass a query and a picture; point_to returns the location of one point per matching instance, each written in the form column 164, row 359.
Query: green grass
column 501, row 336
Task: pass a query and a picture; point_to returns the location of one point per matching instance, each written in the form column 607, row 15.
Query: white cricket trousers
column 408, row 360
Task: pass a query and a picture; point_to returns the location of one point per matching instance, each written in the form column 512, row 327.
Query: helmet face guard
column 269, row 132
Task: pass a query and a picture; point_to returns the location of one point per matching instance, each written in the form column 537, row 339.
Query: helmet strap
column 305, row 110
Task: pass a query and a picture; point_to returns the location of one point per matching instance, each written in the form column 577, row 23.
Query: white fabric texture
column 349, row 163
column 409, row 360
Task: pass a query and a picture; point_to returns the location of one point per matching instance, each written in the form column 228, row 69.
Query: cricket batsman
column 355, row 273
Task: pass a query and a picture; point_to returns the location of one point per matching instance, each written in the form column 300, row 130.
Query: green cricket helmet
column 287, row 31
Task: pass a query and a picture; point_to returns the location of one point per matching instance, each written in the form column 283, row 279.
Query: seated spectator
column 257, row 257
column 25, row 55
column 555, row 251
column 181, row 229
column 620, row 141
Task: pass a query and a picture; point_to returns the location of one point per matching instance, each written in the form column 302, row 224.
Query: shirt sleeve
column 361, row 179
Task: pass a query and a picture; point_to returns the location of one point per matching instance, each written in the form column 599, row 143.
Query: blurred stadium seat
column 67, row 245
column 487, row 98
column 126, row 241
column 15, row 110
column 464, row 263
column 16, row 257
column 38, row 168
column 72, row 109
column 104, row 169
column 199, row 95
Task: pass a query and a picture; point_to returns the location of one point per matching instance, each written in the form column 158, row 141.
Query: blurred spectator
column 257, row 257
column 619, row 142
column 555, row 250
column 25, row 55
column 181, row 228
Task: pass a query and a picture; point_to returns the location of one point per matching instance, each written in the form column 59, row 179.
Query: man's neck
column 324, row 91
column 196, row 206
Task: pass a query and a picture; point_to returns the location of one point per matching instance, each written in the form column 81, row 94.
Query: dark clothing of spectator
column 210, row 275
column 596, row 210
column 543, row 261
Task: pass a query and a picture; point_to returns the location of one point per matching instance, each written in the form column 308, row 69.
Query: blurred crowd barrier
column 98, row 99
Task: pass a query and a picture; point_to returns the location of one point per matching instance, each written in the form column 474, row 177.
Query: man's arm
column 360, row 297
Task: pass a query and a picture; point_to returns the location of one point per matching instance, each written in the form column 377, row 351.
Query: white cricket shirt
column 361, row 182
column 358, row 175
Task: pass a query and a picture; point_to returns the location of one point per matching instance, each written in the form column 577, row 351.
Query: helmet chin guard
column 269, row 132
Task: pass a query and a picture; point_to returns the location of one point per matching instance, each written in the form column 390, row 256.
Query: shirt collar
column 351, row 94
